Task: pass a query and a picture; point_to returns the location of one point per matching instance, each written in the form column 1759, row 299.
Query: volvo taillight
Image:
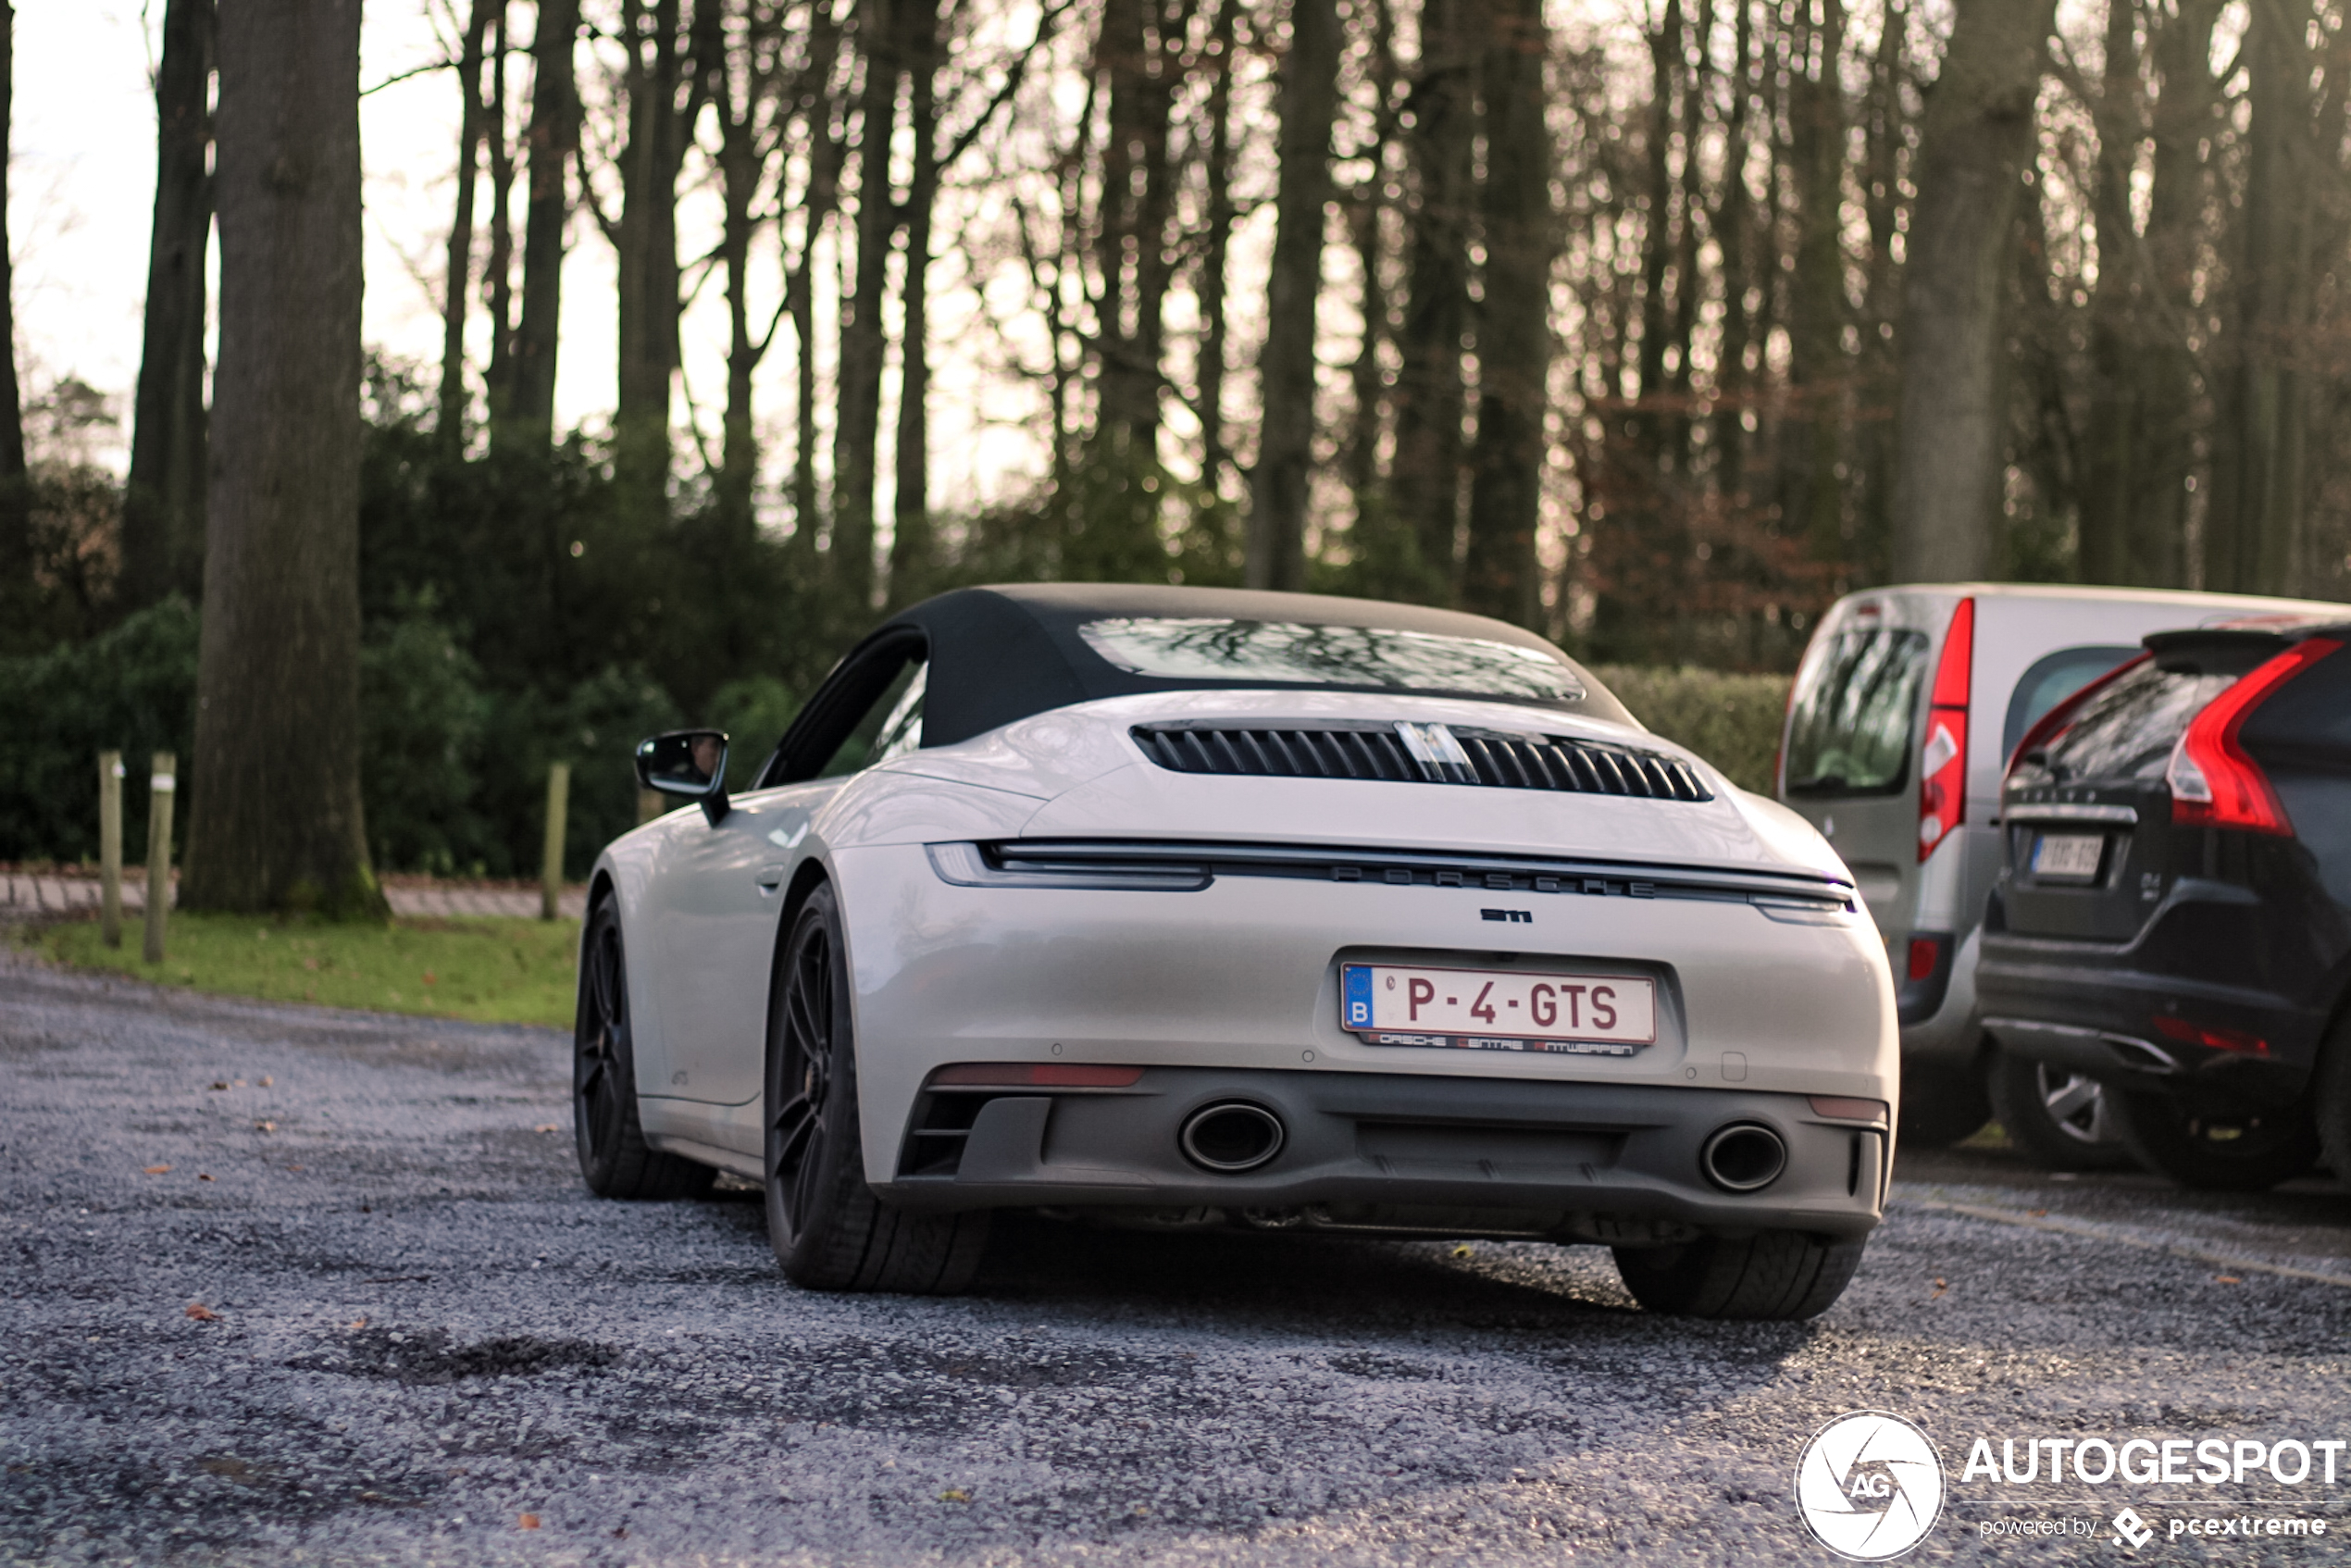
column 1942, row 764
column 2215, row 783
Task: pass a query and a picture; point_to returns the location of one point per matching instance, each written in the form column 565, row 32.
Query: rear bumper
column 1402, row 1153
column 2080, row 1006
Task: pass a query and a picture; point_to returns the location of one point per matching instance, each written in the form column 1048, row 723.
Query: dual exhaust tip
column 1234, row 1136
column 1231, row 1136
column 1743, row 1157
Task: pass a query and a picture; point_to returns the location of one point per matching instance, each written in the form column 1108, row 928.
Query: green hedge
column 1730, row 720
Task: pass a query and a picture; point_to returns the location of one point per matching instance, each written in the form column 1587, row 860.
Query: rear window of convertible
column 1291, row 654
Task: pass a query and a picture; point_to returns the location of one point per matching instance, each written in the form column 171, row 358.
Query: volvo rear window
column 2051, row 681
column 2127, row 731
column 1291, row 654
column 1849, row 724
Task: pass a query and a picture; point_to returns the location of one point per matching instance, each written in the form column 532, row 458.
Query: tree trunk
column 1425, row 476
column 1811, row 444
column 825, row 154
column 498, row 272
column 1732, row 402
column 1366, row 209
column 2115, row 446
column 1282, row 484
column 863, row 344
column 1209, row 284
column 747, row 143
column 646, row 243
column 276, row 820
column 1971, row 150
column 2257, row 537
column 163, row 502
column 553, row 140
column 911, row 547
column 1501, row 577
column 2182, row 125
column 451, row 427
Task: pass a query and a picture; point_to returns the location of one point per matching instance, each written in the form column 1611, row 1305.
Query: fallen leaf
column 357, row 1323
column 2227, row 1279
column 548, row 1127
column 294, row 1167
column 266, row 1082
column 221, row 1084
column 1940, row 1286
column 264, row 1127
column 158, row 1170
column 433, row 979
column 1463, row 1250
column 620, row 1532
column 202, row 1176
column 202, row 1314
column 954, row 1494
column 2038, row 1214
column 530, row 1520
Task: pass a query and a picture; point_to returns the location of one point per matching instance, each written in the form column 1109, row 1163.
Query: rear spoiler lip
column 2277, row 633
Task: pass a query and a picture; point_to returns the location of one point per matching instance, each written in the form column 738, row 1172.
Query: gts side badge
column 1515, row 916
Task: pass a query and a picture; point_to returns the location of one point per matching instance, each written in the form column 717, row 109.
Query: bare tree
column 863, row 342
column 1502, row 575
column 1424, row 480
column 459, row 282
column 278, row 678
column 16, row 497
column 1283, row 478
column 1973, row 148
column 552, row 142
column 163, row 502
column 912, row 541
column 746, row 91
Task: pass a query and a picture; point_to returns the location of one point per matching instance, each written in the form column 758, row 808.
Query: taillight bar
column 2215, row 782
column 1943, row 762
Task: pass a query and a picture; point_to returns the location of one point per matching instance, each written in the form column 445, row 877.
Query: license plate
column 2071, row 857
column 1497, row 1009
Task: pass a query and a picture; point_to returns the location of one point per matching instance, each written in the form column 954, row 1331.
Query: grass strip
column 487, row 970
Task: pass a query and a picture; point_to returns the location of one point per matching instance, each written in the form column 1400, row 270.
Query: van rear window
column 1850, row 722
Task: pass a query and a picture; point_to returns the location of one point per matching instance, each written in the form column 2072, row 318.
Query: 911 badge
column 1499, row 1009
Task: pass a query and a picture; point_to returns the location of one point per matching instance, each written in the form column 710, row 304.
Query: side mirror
column 687, row 761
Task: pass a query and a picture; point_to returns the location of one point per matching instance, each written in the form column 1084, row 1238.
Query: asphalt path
column 361, row 1311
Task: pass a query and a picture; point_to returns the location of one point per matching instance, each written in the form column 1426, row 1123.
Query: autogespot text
column 2156, row 1461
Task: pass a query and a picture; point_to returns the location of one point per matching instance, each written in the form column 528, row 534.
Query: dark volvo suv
column 2174, row 914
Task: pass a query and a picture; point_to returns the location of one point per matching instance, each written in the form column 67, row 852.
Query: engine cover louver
column 1428, row 753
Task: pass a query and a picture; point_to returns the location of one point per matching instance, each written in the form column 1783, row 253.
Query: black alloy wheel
column 829, row 1230
column 2061, row 1119
column 615, row 1160
column 2210, row 1142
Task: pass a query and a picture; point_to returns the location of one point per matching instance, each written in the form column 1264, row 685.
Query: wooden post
column 551, row 876
column 162, row 785
column 110, row 848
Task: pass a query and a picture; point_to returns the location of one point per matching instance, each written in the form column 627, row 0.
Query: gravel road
column 420, row 1341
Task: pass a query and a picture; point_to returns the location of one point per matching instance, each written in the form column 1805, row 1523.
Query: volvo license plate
column 2068, row 857
column 1497, row 1009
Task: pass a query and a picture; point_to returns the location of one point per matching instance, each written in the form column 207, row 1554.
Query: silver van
column 1905, row 711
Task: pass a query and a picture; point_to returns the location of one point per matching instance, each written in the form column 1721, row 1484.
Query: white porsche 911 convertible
column 1178, row 907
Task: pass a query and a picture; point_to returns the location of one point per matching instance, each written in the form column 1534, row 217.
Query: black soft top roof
column 1004, row 652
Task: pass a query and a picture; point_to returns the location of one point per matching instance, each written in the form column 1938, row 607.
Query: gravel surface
column 420, row 1341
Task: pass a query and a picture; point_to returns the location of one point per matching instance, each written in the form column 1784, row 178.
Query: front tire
column 2059, row 1119
column 614, row 1159
column 2218, row 1146
column 829, row 1231
column 1771, row 1275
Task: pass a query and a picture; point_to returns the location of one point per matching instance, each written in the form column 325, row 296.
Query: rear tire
column 2218, row 1146
column 1772, row 1274
column 829, row 1231
column 1941, row 1105
column 615, row 1160
column 2060, row 1118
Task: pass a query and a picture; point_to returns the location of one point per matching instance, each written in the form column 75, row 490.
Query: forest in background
column 1652, row 329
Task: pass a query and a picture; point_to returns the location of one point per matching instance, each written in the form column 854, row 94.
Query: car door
column 722, row 891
